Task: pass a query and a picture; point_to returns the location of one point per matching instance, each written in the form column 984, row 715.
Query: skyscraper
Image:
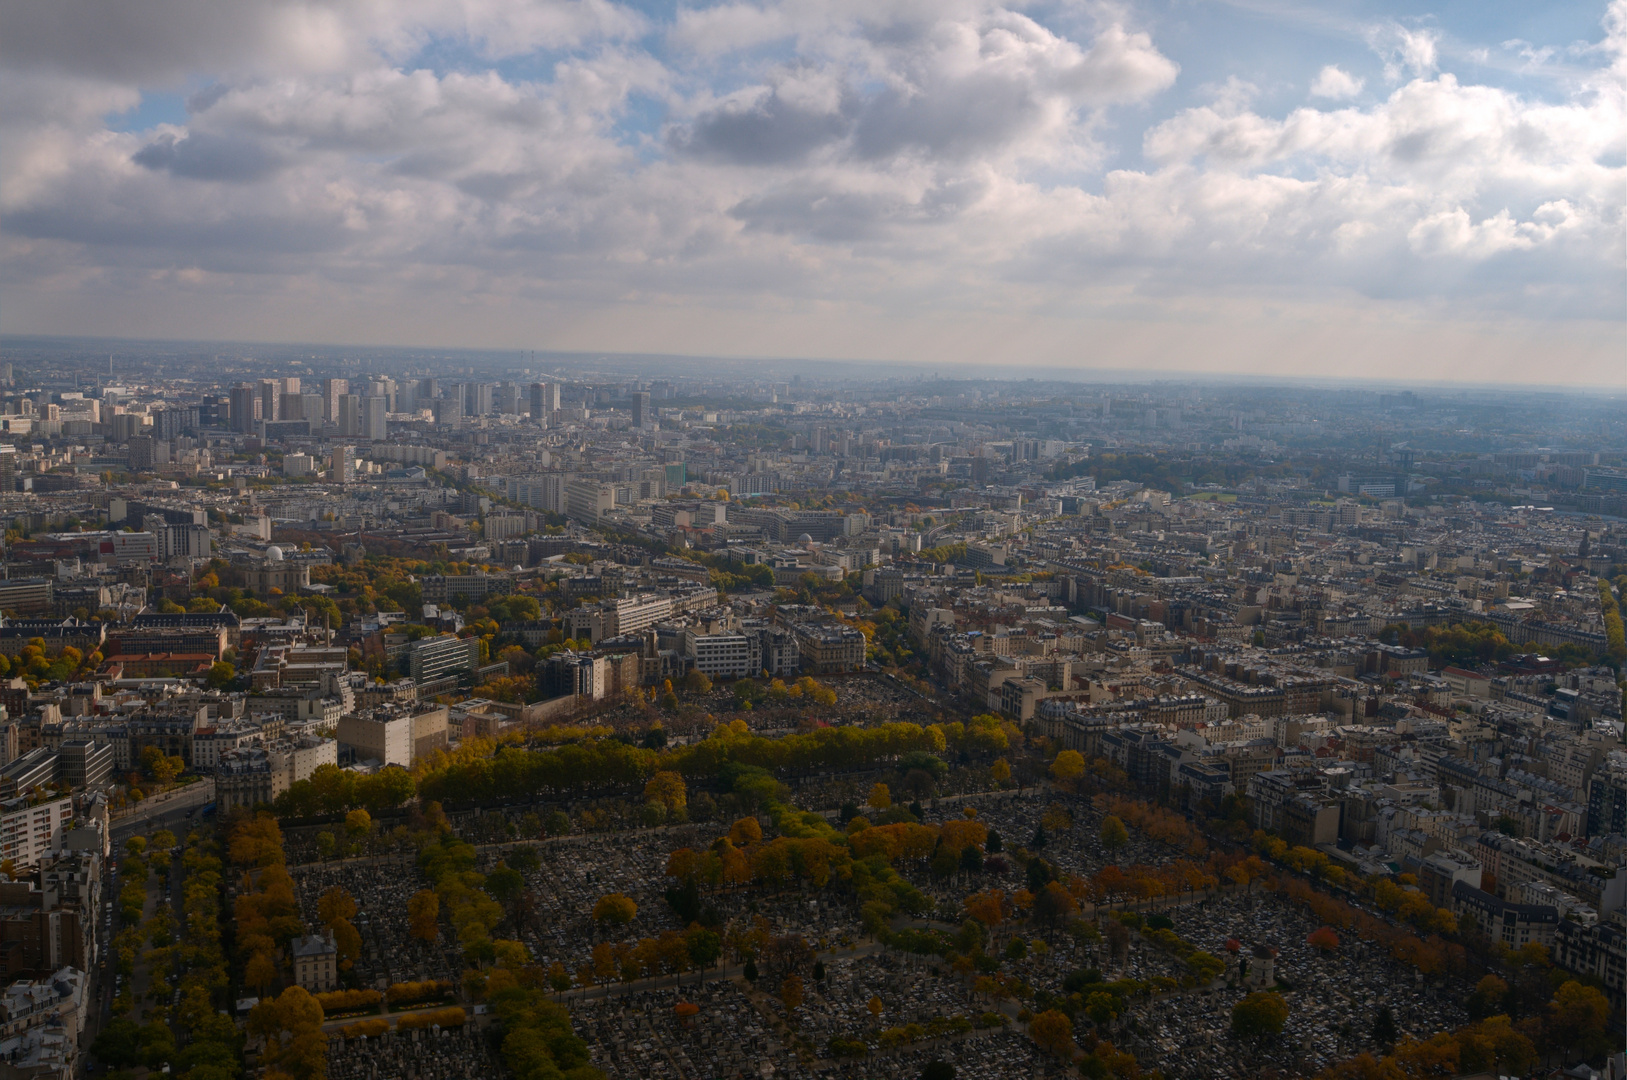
column 544, row 401
column 270, row 390
column 350, row 415
column 342, row 465
column 245, row 401
column 331, row 389
column 641, row 409
column 373, row 425
column 476, row 399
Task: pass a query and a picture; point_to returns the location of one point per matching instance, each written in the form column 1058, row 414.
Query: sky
column 1349, row 188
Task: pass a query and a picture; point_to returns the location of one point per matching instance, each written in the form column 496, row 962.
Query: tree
column 791, row 993
column 1114, row 835
column 704, row 946
column 348, row 942
column 1053, row 904
column 504, row 884
column 696, row 682
column 335, row 904
column 875, row 1006
column 1487, row 999
column 260, row 971
column 1101, row 1007
column 1068, row 766
column 524, row 859
column 221, row 675
column 291, row 1024
column 880, row 798
column 160, row 767
column 1324, row 939
column 938, row 1070
column 667, row 789
column 1000, row 771
column 118, row 1044
column 1259, row 1015
column 423, row 912
column 750, row 970
column 358, row 823
column 1053, row 1031
column 614, row 909
column 1576, row 1016
column 1384, row 1030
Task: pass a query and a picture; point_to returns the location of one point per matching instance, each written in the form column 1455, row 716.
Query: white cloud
column 1336, row 83
column 1405, row 51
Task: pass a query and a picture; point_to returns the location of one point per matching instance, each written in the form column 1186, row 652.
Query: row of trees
column 332, row 790
column 1458, row 643
column 266, row 912
column 1615, row 637
column 596, row 764
column 1574, row 1022
column 210, row 1044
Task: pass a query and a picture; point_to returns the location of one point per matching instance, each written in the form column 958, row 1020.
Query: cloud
column 891, row 159
column 1405, row 51
column 207, row 157
column 989, row 83
column 1336, row 83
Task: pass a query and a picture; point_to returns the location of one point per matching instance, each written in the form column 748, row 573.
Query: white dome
column 274, row 553
column 804, row 539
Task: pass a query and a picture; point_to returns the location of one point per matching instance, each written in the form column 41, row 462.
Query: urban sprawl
column 375, row 715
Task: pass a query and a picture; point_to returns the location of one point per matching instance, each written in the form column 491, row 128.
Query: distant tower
column 331, row 389
column 244, row 397
column 641, row 409
column 350, row 415
column 544, row 401
column 342, row 465
column 373, row 425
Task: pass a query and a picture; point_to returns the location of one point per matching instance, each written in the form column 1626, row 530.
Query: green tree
column 119, row 1043
column 1114, row 835
column 505, row 884
column 1258, row 1016
column 704, row 946
column 1385, row 1031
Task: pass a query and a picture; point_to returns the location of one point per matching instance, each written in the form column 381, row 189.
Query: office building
column 445, row 654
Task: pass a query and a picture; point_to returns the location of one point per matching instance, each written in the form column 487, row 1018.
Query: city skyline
column 1358, row 190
